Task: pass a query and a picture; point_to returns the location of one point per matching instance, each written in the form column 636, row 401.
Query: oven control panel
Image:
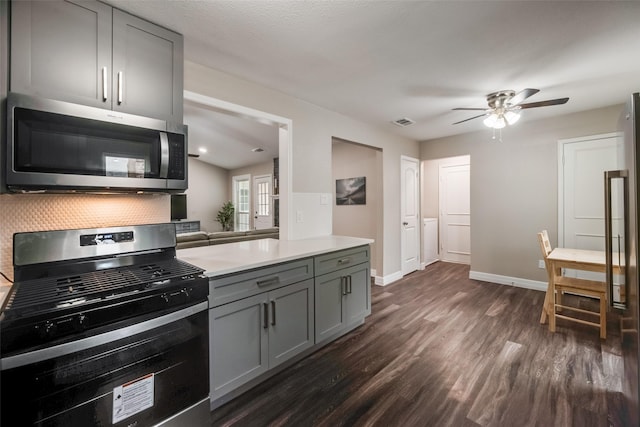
column 106, row 238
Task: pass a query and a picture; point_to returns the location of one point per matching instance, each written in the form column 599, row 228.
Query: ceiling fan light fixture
column 512, row 117
column 495, row 121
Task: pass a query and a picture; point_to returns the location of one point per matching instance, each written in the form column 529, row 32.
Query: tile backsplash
column 37, row 212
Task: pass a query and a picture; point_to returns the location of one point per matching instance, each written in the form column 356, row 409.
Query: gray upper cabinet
column 147, row 68
column 88, row 53
column 59, row 48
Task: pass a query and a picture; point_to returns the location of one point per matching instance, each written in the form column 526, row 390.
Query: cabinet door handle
column 104, row 84
column 120, row 87
column 344, row 261
column 269, row 281
column 348, row 284
column 273, row 312
column 343, row 285
column 265, row 315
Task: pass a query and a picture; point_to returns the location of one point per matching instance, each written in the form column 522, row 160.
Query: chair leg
column 603, row 317
column 559, row 301
column 545, row 305
column 551, row 311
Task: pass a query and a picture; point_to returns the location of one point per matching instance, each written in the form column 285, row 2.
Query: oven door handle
column 94, row 341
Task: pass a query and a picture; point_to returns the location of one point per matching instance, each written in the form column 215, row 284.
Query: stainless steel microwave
column 59, row 146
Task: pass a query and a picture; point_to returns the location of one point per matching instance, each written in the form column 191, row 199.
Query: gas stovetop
column 80, row 282
column 55, row 294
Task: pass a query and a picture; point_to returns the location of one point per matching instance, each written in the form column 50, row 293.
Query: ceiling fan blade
column 469, row 109
column 470, row 118
column 558, row 101
column 522, row 95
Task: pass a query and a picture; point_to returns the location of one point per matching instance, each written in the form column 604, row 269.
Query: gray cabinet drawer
column 242, row 285
column 342, row 259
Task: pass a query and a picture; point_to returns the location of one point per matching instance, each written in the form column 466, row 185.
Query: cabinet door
column 59, row 50
column 291, row 321
column 238, row 344
column 329, row 310
column 358, row 299
column 147, row 68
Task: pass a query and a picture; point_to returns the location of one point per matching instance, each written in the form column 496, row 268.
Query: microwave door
column 616, row 232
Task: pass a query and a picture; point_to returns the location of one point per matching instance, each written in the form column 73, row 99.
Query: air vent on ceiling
column 257, row 150
column 403, row 122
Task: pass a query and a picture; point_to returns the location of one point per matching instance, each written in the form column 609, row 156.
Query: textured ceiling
column 377, row 61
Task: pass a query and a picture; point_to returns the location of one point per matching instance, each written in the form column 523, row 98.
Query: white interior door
column 409, row 212
column 241, row 198
column 263, row 203
column 455, row 213
column 582, row 162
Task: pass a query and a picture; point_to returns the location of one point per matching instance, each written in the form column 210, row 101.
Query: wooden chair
column 559, row 284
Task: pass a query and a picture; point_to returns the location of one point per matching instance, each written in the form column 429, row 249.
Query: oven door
column 146, row 373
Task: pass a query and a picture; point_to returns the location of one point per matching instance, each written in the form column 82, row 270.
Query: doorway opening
column 354, row 160
column 446, row 199
column 283, row 162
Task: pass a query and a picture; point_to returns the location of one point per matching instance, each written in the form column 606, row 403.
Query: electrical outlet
column 541, row 263
column 299, row 217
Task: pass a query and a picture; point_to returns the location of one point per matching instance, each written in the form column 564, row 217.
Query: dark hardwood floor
column 442, row 350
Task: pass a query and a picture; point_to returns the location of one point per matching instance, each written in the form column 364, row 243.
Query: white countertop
column 218, row 260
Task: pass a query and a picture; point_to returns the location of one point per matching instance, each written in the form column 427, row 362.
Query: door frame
column 404, row 158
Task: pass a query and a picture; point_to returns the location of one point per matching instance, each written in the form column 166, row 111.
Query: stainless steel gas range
column 104, row 327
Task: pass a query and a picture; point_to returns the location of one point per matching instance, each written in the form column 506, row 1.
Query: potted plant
column 225, row 216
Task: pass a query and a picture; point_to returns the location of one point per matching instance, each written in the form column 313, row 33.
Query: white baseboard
column 510, row 281
column 388, row 279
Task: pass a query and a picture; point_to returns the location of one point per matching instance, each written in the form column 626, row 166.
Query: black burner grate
column 54, row 292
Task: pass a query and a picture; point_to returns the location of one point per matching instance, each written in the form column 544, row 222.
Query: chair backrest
column 545, row 245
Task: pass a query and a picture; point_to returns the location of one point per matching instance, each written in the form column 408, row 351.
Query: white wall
column 312, row 131
column 350, row 161
column 206, row 194
column 514, row 187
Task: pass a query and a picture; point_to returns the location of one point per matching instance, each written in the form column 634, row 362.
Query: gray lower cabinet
column 343, row 292
column 262, row 318
column 254, row 334
column 89, row 53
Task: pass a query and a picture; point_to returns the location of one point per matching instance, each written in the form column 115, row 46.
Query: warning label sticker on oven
column 132, row 397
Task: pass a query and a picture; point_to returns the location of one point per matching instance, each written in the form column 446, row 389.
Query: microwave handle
column 164, row 155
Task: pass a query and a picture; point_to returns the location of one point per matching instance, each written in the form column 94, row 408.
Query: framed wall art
column 351, row 191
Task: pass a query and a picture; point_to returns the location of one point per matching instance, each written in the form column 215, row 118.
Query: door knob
column 405, row 223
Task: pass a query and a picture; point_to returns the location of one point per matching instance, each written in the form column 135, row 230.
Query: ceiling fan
column 505, row 106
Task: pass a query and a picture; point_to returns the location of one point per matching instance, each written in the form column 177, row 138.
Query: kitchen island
column 273, row 302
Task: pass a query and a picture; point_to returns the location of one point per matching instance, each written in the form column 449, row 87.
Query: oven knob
column 165, row 297
column 185, row 291
column 47, row 329
column 82, row 319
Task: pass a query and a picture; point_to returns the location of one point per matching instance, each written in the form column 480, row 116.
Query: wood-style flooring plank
column 441, row 349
